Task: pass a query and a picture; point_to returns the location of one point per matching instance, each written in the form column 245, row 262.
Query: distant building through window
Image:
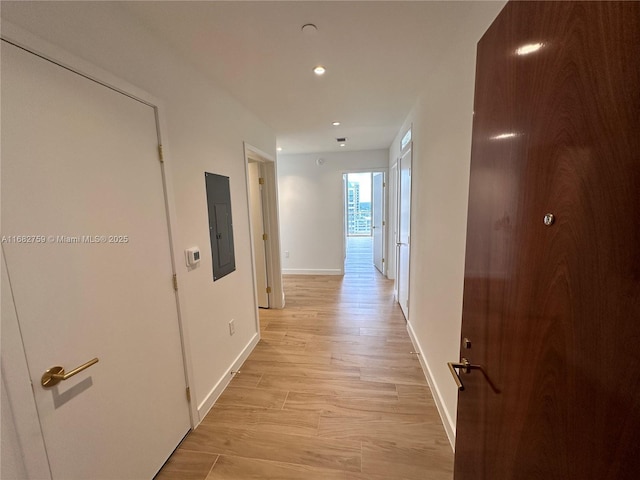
column 359, row 204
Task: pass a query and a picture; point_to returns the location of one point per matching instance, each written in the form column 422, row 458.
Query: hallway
column 330, row 392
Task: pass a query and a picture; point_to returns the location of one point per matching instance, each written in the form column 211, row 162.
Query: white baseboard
column 217, row 390
column 302, row 271
column 447, row 421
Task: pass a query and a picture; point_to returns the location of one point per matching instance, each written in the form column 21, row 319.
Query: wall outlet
column 286, row 254
column 232, row 327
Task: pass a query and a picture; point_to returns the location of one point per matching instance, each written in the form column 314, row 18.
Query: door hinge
column 383, row 260
column 384, row 184
column 268, row 289
column 188, row 394
column 261, row 181
column 384, row 223
column 160, row 154
column 264, row 236
column 175, row 282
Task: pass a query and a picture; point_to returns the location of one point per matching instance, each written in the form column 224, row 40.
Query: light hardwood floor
column 332, row 391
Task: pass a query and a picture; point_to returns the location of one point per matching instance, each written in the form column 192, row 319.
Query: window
column 359, row 204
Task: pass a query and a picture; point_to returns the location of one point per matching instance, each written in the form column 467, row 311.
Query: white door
column 404, row 228
column 345, row 217
column 377, row 201
column 392, row 221
column 87, row 252
column 257, row 227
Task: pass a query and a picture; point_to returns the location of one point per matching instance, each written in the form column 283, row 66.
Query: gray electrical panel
column 220, row 225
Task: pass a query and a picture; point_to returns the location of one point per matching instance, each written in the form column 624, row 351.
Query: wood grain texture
column 281, row 447
column 552, row 310
column 264, row 419
column 239, row 468
column 418, row 462
column 187, row 465
column 252, row 397
column 400, row 428
column 328, row 376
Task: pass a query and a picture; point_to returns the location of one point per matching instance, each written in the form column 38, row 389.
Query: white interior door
column 377, row 197
column 257, row 227
column 88, row 258
column 392, row 221
column 345, row 217
column 404, row 228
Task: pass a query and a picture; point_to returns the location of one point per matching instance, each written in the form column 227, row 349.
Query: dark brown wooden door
column 553, row 311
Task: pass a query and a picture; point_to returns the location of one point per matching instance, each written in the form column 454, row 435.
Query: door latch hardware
column 56, row 374
column 466, row 367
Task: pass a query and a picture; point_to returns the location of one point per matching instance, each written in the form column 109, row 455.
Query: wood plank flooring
column 332, row 391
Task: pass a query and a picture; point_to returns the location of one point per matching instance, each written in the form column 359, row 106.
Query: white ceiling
column 379, row 57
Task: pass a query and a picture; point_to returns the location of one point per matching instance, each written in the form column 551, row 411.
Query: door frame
column 385, row 243
column 408, row 147
column 259, row 237
column 18, row 386
column 385, row 220
column 392, row 232
column 268, row 169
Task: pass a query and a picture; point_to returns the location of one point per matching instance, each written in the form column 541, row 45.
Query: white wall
column 442, row 121
column 312, row 207
column 205, row 130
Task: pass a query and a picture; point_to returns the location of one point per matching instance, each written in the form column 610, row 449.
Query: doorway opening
column 264, row 228
column 402, row 224
column 358, row 204
column 365, row 218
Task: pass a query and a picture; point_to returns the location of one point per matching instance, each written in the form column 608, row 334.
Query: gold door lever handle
column 464, row 366
column 56, row 374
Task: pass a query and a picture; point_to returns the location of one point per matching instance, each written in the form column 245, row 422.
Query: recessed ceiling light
column 529, row 48
column 343, row 144
column 335, row 124
column 279, row 149
column 319, row 70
